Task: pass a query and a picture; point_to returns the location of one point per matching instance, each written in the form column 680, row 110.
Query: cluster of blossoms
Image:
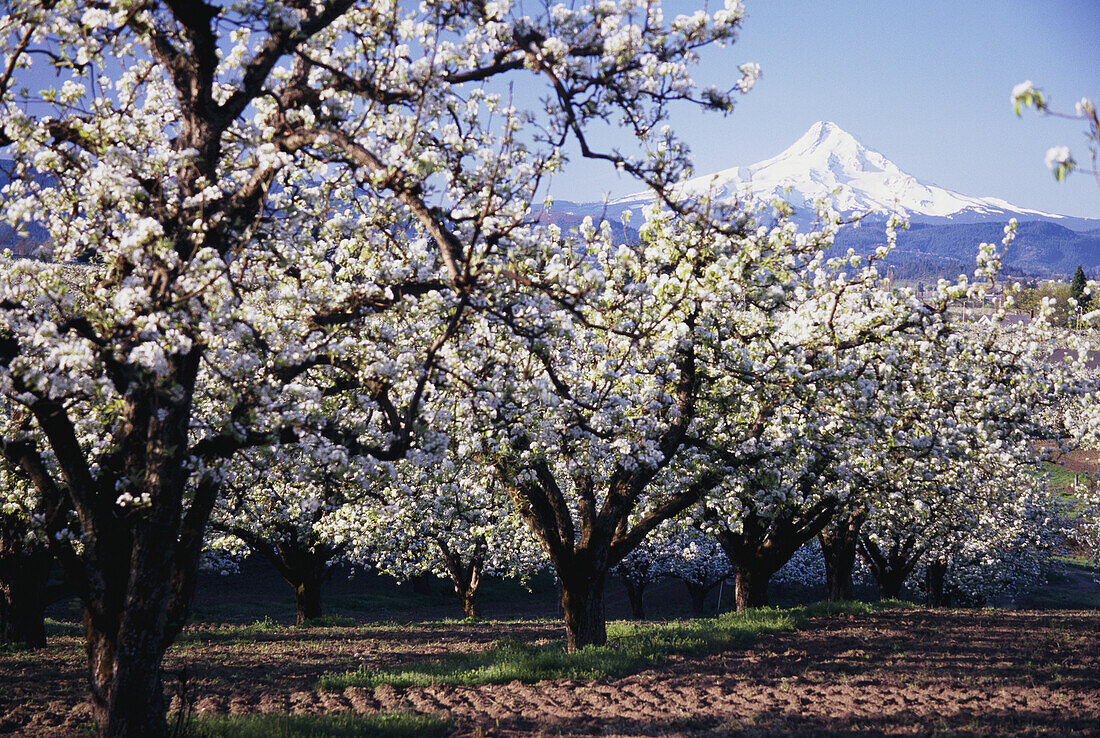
column 1059, row 159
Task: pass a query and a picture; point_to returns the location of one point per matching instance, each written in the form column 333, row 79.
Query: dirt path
column 959, row 673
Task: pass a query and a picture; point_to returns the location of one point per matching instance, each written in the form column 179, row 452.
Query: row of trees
column 319, row 309
column 910, row 441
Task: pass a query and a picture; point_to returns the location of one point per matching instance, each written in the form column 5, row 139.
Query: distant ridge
column 828, row 163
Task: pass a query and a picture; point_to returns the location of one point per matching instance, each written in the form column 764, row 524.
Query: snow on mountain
column 829, row 163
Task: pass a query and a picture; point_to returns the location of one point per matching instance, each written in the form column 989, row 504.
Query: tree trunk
column 307, row 597
column 470, row 606
column 935, row 575
column 305, row 570
column 764, row 545
column 750, row 585
column 838, row 549
column 127, row 689
column 126, row 625
column 466, row 590
column 890, row 568
column 303, row 566
column 582, row 603
column 24, row 576
column 635, row 592
column 890, row 583
column 466, row 577
column 698, row 594
column 422, row 584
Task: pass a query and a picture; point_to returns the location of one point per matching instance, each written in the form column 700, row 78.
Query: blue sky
column 925, row 83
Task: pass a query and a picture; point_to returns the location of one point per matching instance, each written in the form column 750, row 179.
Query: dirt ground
column 899, row 672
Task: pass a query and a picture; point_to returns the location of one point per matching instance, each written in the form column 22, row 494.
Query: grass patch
column 60, row 628
column 329, row 621
column 1070, row 585
column 631, row 646
column 1061, row 478
column 333, row 725
column 264, row 627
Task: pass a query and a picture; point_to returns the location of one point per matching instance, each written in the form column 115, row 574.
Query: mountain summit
column 828, row 163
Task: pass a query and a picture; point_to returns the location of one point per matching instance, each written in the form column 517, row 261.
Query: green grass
column 1060, row 478
column 1069, row 586
column 265, row 627
column 329, row 621
column 631, row 646
column 58, row 628
column 333, row 725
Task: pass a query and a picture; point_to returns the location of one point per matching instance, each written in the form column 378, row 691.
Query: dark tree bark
column 935, row 577
column 582, row 562
column 838, row 549
column 764, row 545
column 890, row 567
column 697, row 594
column 307, row 599
column 24, row 588
column 635, row 593
column 582, row 601
column 751, row 585
column 304, row 565
column 465, row 576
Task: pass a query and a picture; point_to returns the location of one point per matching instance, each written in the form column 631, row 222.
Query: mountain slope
column 927, row 250
column 827, row 163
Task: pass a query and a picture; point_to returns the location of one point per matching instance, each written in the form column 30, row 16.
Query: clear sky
column 925, row 82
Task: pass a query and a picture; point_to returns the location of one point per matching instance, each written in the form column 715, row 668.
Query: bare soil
column 899, row 672
column 1081, row 460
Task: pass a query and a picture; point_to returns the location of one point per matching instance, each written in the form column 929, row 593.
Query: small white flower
column 1058, row 156
column 750, row 72
column 1022, row 90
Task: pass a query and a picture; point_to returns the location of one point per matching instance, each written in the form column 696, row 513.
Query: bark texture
column 24, row 589
column 935, row 579
column 764, row 545
column 583, row 604
column 465, row 575
column 635, row 593
column 890, row 566
column 838, row 548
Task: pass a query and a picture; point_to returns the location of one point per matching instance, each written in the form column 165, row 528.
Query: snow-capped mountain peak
column 828, row 146
column 828, row 163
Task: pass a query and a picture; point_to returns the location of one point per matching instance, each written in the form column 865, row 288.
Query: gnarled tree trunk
column 697, row 593
column 890, row 567
column 307, row 599
column 304, row 565
column 583, row 605
column 127, row 620
column 935, row 577
column 838, row 549
column 764, row 545
column 466, row 577
column 751, row 585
